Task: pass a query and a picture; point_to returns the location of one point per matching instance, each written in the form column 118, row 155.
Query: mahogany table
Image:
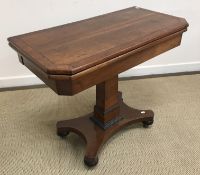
column 73, row 57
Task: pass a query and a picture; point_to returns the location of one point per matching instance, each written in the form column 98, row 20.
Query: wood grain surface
column 72, row 48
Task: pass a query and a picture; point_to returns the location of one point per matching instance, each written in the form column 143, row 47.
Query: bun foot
column 94, row 136
column 146, row 124
column 62, row 134
column 90, row 162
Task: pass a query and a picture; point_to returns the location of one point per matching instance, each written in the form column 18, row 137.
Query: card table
column 73, row 57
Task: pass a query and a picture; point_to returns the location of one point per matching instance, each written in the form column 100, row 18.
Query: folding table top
column 72, row 48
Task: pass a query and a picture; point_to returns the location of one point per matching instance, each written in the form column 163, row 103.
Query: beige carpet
column 29, row 145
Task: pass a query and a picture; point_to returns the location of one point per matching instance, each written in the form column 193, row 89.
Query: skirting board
column 162, row 69
column 29, row 80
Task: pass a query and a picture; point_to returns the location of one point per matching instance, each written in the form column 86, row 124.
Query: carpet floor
column 29, row 144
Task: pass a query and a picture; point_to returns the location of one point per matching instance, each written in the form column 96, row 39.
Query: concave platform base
column 95, row 136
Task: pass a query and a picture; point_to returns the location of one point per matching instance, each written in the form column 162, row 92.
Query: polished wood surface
column 73, row 84
column 73, row 57
column 107, row 105
column 72, row 48
column 95, row 136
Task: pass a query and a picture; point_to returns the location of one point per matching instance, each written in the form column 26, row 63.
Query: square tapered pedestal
column 73, row 57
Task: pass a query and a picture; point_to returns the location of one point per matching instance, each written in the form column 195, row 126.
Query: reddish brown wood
column 73, row 84
column 73, row 57
column 72, row 48
column 95, row 136
column 107, row 103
